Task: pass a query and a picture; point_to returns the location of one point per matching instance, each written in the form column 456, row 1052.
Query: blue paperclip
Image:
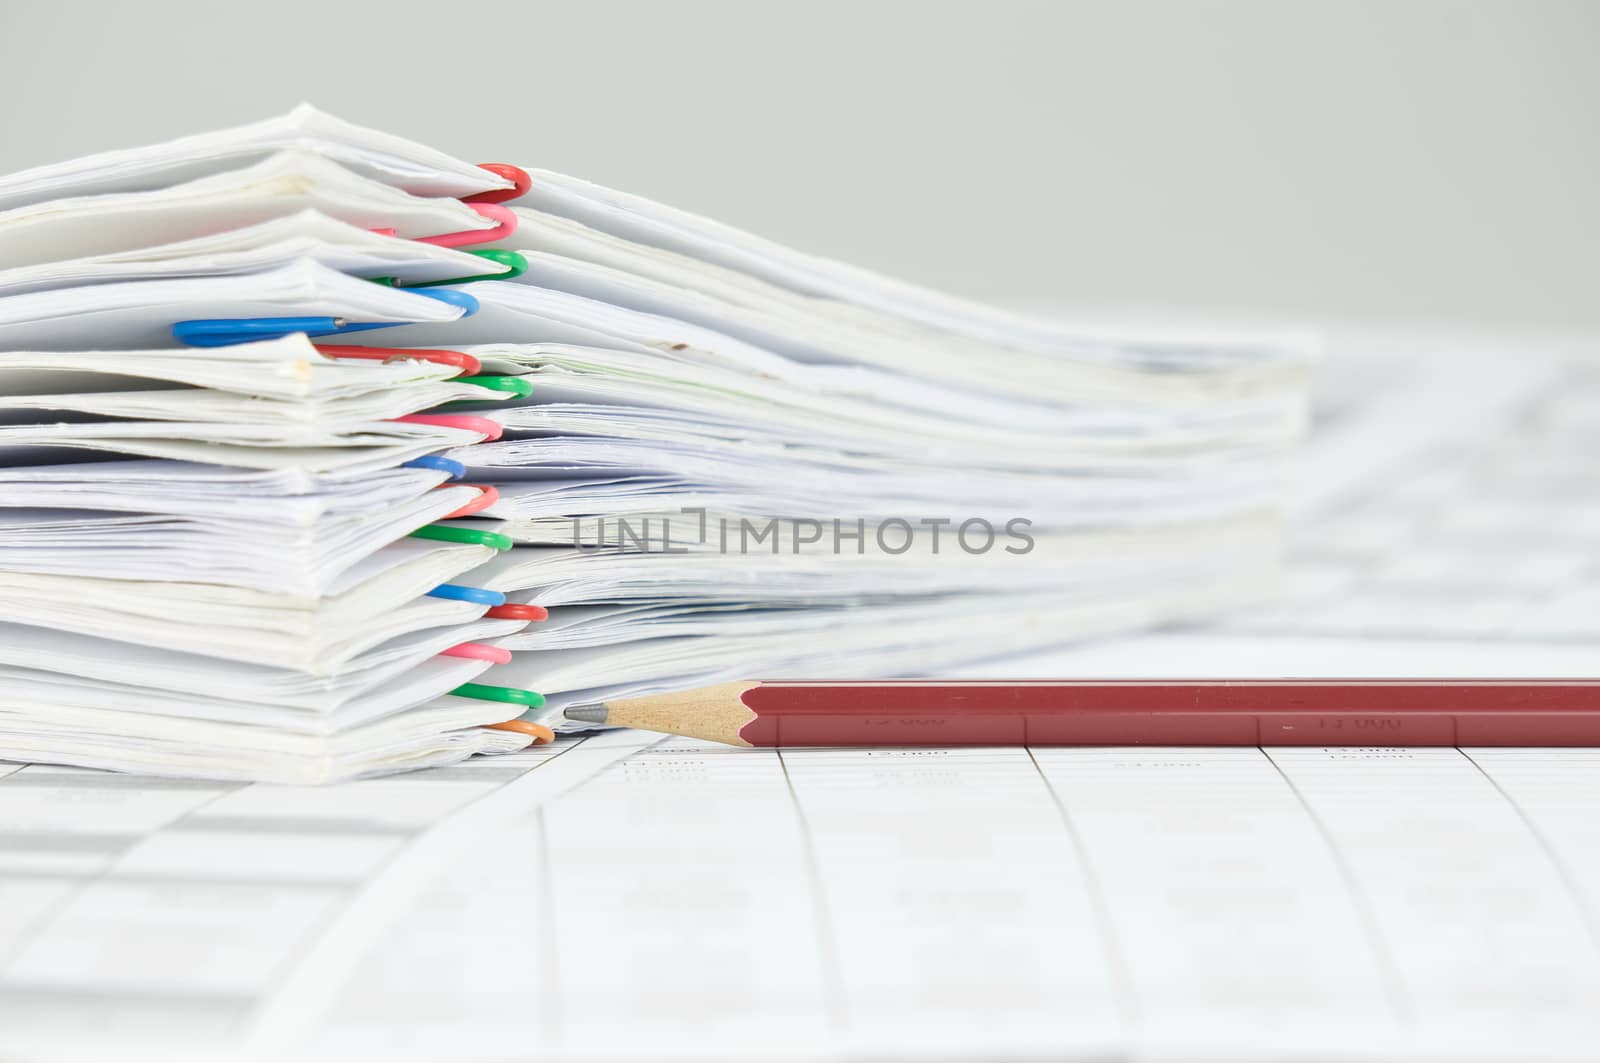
column 224, row 332
column 456, row 469
column 477, row 595
column 468, row 304
column 455, row 297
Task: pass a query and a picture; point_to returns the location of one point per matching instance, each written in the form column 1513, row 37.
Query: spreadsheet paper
column 698, row 901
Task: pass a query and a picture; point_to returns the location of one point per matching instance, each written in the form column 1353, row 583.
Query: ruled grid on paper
column 172, row 909
column 979, row 903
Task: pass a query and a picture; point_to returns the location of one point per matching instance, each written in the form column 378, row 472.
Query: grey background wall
column 1283, row 159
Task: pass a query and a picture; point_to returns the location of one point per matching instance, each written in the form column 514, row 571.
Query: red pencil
column 1117, row 712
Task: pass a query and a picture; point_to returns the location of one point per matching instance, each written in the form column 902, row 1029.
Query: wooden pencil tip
column 591, row 713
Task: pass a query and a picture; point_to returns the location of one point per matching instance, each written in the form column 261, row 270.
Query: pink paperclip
column 479, row 651
column 489, row 430
column 488, row 495
column 507, row 224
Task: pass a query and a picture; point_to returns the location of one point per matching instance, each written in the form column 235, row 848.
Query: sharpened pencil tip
column 592, row 713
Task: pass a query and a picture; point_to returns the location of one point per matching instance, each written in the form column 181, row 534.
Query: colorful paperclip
column 446, row 533
column 490, row 430
column 520, row 183
column 515, row 266
column 465, row 364
column 505, row 224
column 479, row 651
column 488, row 495
column 455, row 592
column 225, row 332
column 509, row 695
column 514, row 611
column 540, row 734
column 439, row 463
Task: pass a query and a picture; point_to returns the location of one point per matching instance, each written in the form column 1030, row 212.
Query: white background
column 1320, row 162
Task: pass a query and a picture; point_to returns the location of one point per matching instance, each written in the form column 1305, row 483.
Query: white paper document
column 700, row 902
column 258, row 345
column 191, row 919
column 628, row 896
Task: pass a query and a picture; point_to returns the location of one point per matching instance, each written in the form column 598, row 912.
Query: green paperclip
column 513, row 386
column 515, row 265
column 450, row 533
column 510, row 695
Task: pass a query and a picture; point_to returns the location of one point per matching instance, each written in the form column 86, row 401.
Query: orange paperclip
column 541, row 734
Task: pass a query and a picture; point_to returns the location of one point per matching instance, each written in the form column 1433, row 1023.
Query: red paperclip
column 515, row 174
column 488, row 495
column 478, row 651
column 466, row 363
column 489, row 430
column 512, row 611
column 507, row 224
